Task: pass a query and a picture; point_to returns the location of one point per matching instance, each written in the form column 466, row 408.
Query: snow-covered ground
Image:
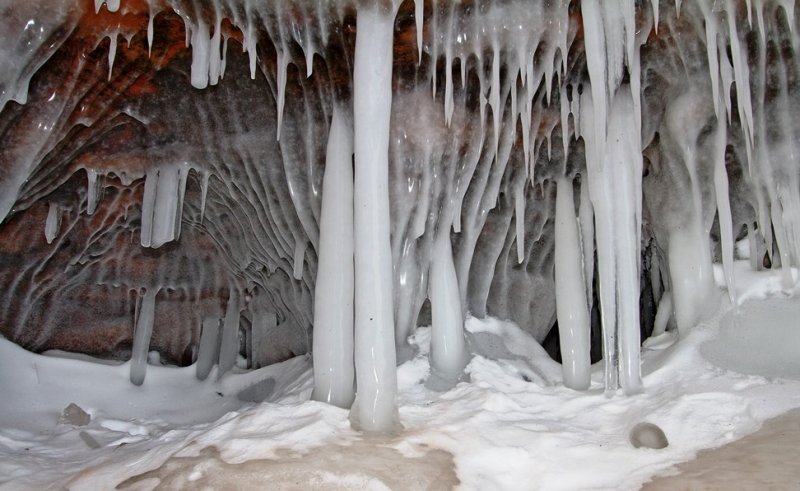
column 510, row 425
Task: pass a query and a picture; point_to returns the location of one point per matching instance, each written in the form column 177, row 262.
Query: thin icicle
column 724, row 207
column 419, row 11
column 519, row 215
column 283, row 66
column 112, row 52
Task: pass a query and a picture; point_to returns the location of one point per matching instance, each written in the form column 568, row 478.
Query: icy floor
column 511, row 426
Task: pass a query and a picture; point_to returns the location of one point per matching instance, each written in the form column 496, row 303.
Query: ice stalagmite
column 208, row 352
column 448, row 347
column 375, row 407
column 141, row 336
column 333, row 293
column 571, row 305
column 229, row 346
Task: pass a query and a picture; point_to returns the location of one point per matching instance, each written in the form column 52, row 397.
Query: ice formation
column 578, row 163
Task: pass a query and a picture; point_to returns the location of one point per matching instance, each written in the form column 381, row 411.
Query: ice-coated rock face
column 139, row 176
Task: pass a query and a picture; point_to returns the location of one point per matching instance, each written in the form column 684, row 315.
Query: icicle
column 742, row 77
column 93, row 189
column 162, row 205
column 519, row 214
column 283, row 66
column 587, row 237
column 201, row 55
column 724, row 207
column 571, row 304
column 711, row 51
column 229, row 345
column 150, row 17
column 654, row 5
column 203, row 194
column 299, row 253
column 375, row 407
column 448, row 85
column 250, row 46
column 448, row 355
column 564, row 106
column 112, row 52
column 208, row 352
column 678, row 7
column 141, row 336
column 419, row 11
column 494, row 95
column 214, row 60
column 333, row 293
column 53, row 222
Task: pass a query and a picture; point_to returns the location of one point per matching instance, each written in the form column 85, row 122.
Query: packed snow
column 510, row 423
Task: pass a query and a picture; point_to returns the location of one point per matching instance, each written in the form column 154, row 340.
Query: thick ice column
column 334, row 373
column 375, row 407
column 571, row 304
column 614, row 169
column 448, row 354
column 141, row 336
column 624, row 162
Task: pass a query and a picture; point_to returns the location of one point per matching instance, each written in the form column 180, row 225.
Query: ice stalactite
column 375, row 406
column 94, row 188
column 53, row 222
column 162, row 204
column 724, row 206
column 141, row 336
column 334, row 375
column 571, row 305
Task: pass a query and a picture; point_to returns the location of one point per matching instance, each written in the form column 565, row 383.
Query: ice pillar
column 375, row 407
column 333, row 293
column 571, row 305
column 614, row 170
